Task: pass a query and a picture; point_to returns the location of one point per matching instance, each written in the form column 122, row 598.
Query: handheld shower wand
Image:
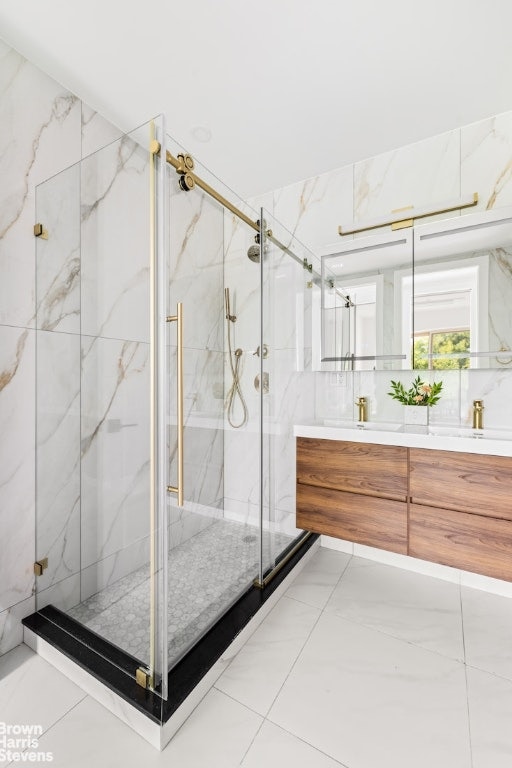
column 235, row 388
column 229, row 316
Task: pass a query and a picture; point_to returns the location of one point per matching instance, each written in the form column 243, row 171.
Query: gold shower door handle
column 178, row 319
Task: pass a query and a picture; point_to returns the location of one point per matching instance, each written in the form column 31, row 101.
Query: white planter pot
column 416, row 415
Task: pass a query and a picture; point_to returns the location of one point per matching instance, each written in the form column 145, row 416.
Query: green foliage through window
column 446, row 347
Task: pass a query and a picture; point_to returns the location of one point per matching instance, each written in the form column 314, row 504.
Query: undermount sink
column 378, row 426
column 477, row 434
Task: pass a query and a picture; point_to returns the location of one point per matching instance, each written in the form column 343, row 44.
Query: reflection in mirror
column 463, row 292
column 359, row 303
column 435, row 297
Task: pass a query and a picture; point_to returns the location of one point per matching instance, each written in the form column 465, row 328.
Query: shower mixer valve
column 258, row 352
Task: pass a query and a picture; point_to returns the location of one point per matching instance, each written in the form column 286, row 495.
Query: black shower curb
column 115, row 668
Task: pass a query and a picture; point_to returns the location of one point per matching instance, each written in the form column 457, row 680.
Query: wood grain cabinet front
column 353, row 491
column 366, row 468
column 463, row 540
column 362, row 519
column 466, row 482
column 444, row 506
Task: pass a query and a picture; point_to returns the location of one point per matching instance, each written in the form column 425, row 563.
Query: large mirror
column 462, row 294
column 362, row 309
column 434, row 297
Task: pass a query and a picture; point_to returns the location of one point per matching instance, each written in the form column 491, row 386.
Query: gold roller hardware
column 184, row 166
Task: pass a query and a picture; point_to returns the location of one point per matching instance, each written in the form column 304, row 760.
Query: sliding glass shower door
column 214, row 535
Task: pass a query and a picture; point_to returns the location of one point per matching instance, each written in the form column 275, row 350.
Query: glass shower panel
column 290, row 305
column 94, row 458
column 58, row 390
column 213, row 537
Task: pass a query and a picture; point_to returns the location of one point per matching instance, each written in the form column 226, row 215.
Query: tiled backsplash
column 336, row 394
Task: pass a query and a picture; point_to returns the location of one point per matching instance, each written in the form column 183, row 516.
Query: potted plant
column 419, row 394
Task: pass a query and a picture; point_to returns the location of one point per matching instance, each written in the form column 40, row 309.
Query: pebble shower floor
column 206, row 574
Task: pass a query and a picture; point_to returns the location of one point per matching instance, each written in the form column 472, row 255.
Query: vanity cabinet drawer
column 362, row 519
column 363, row 468
column 468, row 541
column 462, row 481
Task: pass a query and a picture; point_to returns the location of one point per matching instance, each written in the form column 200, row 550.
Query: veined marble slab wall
column 241, row 444
column 474, row 158
column 40, row 134
column 43, row 129
column 197, row 280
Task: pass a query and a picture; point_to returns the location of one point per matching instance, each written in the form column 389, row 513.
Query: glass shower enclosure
column 155, row 511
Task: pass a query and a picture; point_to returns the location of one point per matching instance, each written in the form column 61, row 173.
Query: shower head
column 254, row 253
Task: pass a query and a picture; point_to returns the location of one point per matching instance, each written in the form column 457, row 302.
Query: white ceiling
column 287, row 88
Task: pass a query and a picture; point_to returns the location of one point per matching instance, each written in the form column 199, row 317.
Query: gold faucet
column 361, row 404
column 478, row 415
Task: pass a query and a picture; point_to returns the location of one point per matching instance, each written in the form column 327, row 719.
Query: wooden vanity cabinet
column 466, row 482
column 472, row 542
column 354, row 491
column 460, row 511
column 443, row 506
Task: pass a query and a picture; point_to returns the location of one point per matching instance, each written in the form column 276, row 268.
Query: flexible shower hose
column 235, row 389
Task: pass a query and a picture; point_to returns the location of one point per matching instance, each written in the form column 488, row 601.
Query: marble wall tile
column 97, row 132
column 203, row 464
column 313, row 209
column 115, row 242
column 63, row 594
column 242, row 511
column 334, row 395
column 203, row 384
column 241, row 466
column 486, row 161
column 196, row 248
column 17, row 464
column 110, row 569
column 493, row 387
column 39, row 136
column 500, row 301
column 427, row 172
column 186, row 522
column 58, row 455
column 58, row 257
column 383, row 408
column 115, row 446
column 11, row 629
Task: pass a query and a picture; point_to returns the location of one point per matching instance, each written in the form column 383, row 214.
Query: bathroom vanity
column 446, row 499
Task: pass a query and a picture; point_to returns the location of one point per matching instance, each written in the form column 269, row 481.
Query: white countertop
column 410, row 439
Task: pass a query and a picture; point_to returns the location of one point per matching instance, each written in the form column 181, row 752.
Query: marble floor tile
column 369, row 700
column 273, row 746
column 315, row 583
column 258, row 671
column 490, row 715
column 32, row 691
column 488, row 631
column 217, row 734
column 416, row 608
